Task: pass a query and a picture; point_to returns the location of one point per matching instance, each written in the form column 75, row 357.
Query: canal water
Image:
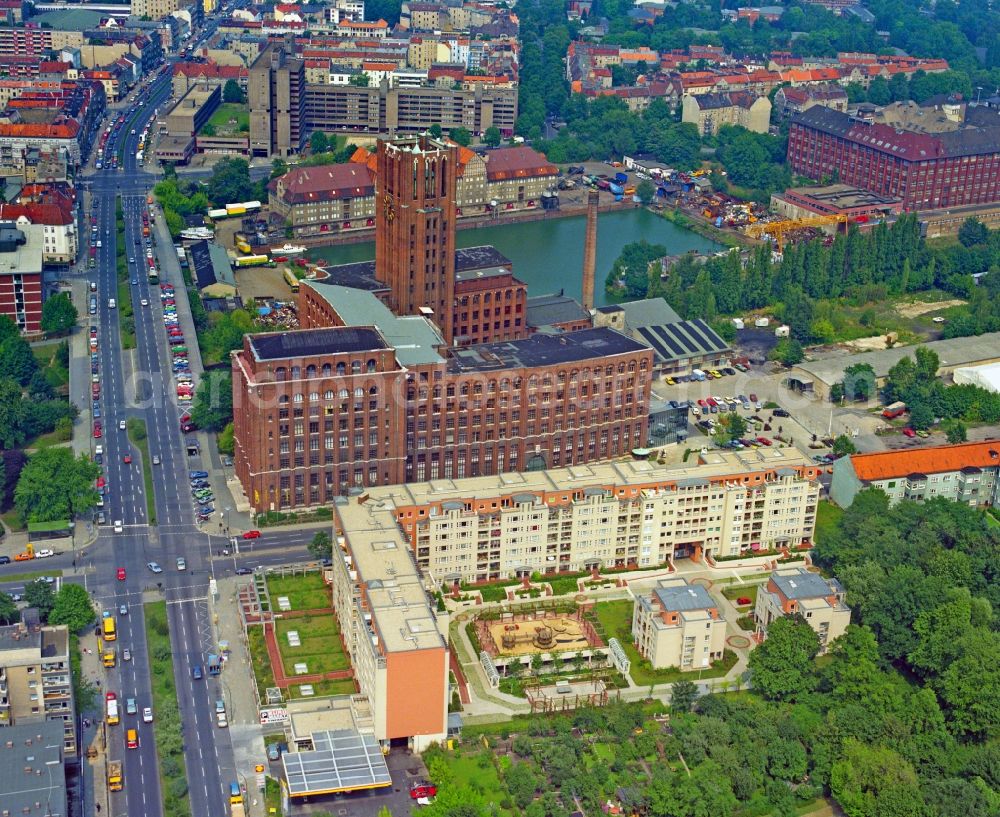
column 548, row 255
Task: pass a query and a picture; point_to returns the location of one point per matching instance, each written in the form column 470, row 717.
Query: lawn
column 827, row 518
column 321, row 649
column 322, row 689
column 30, row 577
column 50, row 360
column 261, row 665
column 220, row 120
column 12, row 519
column 166, row 712
column 737, row 591
column 479, row 776
column 615, row 618
column 272, row 796
column 137, row 436
column 306, row 591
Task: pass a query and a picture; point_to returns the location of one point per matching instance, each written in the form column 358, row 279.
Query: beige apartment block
column 154, row 9
column 795, row 590
column 678, row 625
column 35, row 680
column 615, row 514
column 709, row 112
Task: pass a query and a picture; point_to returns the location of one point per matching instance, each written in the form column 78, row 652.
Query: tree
column 782, row 667
column 492, row 136
column 39, row 594
column 788, row 352
column 683, row 695
column 435, row 131
column 9, row 614
column 208, row 129
column 59, row 315
column 731, row 427
column 227, row 440
column 318, row 143
column 461, row 135
column 13, row 414
column 973, row 232
column 321, row 546
column 360, row 80
column 279, row 167
column 875, row 781
column 72, row 607
column 843, row 445
column 957, row 432
column 213, row 401
column 921, row 415
column 54, row 485
column 231, row 92
column 646, row 191
column 859, row 382
column 230, row 182
column 17, row 361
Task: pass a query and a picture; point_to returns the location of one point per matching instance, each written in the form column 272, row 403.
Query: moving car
column 147, row 715
column 154, row 567
column 252, row 534
column 196, row 672
column 181, row 563
column 121, row 574
column 44, row 553
column 119, row 527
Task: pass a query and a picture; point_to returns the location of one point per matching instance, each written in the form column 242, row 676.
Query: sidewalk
column 93, row 770
column 237, row 681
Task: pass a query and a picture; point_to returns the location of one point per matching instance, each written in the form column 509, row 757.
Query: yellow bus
column 110, row 634
column 108, row 653
column 291, row 280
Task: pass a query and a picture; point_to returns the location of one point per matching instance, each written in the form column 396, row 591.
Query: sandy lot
column 917, row 308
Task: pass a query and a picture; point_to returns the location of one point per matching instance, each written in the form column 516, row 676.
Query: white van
column 112, row 303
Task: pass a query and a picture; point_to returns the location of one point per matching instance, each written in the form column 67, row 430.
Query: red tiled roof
column 926, row 460
column 51, row 214
column 517, row 162
column 32, row 130
column 326, row 183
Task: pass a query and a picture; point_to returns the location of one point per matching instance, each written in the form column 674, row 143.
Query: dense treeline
column 866, row 267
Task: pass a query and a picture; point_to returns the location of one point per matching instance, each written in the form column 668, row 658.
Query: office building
column 967, row 472
column 796, row 590
column 276, row 92
column 928, row 157
column 36, row 686
column 678, row 625
column 33, row 771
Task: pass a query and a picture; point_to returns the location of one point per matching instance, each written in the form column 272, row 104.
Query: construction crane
column 778, row 229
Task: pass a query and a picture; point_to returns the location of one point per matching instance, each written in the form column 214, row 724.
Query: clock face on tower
column 390, row 213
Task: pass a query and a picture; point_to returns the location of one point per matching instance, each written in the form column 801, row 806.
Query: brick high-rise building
column 415, row 227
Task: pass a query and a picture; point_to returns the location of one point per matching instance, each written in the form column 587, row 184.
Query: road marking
column 187, row 601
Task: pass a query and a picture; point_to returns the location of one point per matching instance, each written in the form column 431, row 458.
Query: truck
column 145, row 231
column 108, row 627
column 894, row 410
column 115, row 780
column 621, row 178
column 616, row 190
column 154, row 276
column 111, row 705
column 214, row 664
column 109, row 655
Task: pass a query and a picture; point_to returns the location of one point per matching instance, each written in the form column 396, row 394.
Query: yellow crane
column 778, row 229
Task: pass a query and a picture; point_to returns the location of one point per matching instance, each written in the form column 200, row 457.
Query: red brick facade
column 21, row 300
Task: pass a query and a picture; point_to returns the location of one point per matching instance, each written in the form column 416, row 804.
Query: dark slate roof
column 980, row 135
column 544, row 350
column 683, row 339
column 805, row 585
column 308, row 342
column 32, row 773
column 549, row 310
column 361, row 274
column 682, row 598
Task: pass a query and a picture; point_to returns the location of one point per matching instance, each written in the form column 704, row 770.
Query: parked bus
column 291, row 280
column 111, row 704
column 108, row 628
column 253, row 261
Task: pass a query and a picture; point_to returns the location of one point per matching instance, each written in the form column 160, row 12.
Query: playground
column 515, row 634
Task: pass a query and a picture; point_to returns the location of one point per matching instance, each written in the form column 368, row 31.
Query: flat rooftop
column 801, row 584
column 32, row 774
column 478, row 273
column 309, row 342
column 595, row 476
column 544, row 350
column 843, row 196
column 361, row 274
column 681, row 597
column 341, row 760
column 383, row 564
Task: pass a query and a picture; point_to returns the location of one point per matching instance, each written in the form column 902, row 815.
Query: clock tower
column 415, row 226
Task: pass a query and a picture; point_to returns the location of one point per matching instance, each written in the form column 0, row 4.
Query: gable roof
column 517, row 163
column 326, row 183
column 926, row 460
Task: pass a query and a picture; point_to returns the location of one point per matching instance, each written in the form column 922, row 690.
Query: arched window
column 296, row 398
column 296, row 372
column 327, row 370
column 372, row 391
column 359, row 392
column 310, row 371
column 341, row 368
column 355, row 367
column 372, row 365
column 328, row 394
column 343, row 394
column 280, row 373
column 313, row 396
column 282, row 399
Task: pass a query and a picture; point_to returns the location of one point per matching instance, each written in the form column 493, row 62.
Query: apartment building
column 709, row 112
column 58, row 229
column 35, row 681
column 317, row 200
column 21, row 285
column 678, row 625
column 966, row 472
column 396, row 640
column 795, row 590
column 614, row 514
column 155, row 9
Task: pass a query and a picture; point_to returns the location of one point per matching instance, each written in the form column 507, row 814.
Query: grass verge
column 167, row 729
column 30, row 577
column 261, row 663
column 126, row 320
column 272, row 796
column 138, row 437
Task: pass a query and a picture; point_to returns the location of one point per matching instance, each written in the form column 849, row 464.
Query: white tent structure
column 986, row 376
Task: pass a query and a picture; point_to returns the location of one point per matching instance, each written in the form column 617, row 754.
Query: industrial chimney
column 590, row 251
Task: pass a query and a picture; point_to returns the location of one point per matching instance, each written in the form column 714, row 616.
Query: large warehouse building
column 928, row 157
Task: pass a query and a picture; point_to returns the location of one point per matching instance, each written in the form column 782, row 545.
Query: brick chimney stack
column 590, row 251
